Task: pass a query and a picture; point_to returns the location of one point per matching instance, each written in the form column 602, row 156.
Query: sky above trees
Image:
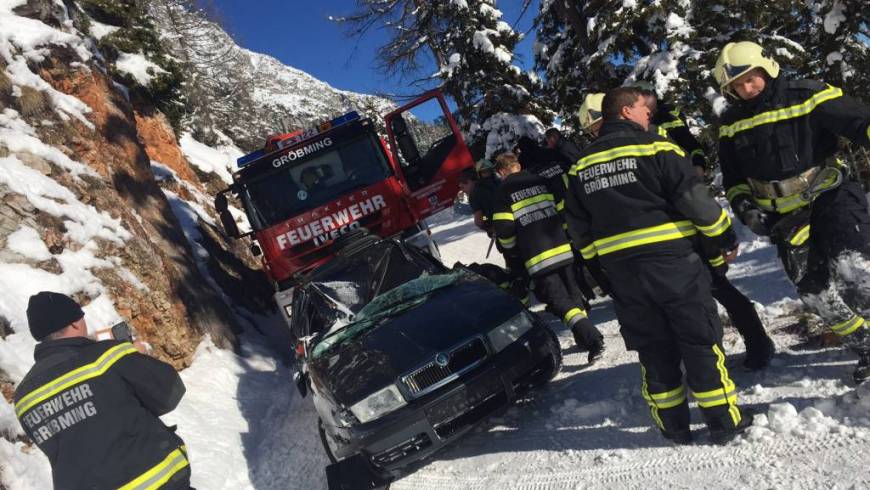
column 301, row 35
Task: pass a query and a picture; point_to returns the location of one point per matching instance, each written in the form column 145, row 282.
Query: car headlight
column 509, row 331
column 378, row 404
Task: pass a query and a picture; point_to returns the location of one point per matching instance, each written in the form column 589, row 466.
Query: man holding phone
column 93, row 407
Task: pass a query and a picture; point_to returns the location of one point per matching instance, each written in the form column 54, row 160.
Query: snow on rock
column 138, row 67
column 27, row 242
column 220, row 161
column 18, row 136
column 23, row 39
column 30, row 36
column 19, row 281
column 99, row 30
column 83, row 222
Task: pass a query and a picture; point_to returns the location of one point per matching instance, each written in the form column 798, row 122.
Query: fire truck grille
column 433, row 375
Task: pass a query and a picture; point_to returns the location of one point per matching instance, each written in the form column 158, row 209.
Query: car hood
column 359, row 367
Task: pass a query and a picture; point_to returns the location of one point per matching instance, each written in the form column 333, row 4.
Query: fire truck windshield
column 312, row 181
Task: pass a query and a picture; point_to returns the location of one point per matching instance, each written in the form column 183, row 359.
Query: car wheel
column 324, row 439
column 547, row 376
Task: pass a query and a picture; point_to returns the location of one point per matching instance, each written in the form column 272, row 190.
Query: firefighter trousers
column 559, row 291
column 518, row 276
column 597, row 274
column 666, row 312
column 740, row 308
column 836, row 285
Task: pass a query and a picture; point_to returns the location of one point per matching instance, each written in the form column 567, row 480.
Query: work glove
column 757, row 221
column 719, row 270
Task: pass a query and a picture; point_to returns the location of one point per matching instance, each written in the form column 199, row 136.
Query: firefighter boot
column 862, row 371
column 859, row 343
column 680, row 438
column 722, row 434
column 759, row 352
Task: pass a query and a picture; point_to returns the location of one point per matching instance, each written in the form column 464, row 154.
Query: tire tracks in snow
column 656, row 471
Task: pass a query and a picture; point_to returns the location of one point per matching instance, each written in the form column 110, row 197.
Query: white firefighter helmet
column 590, row 111
column 737, row 59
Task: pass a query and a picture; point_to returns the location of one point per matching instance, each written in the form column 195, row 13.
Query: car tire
column 324, row 440
column 557, row 359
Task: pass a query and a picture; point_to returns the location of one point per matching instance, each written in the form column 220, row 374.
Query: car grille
column 407, row 448
column 431, row 376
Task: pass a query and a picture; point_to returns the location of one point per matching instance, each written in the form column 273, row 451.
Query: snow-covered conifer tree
column 472, row 48
column 593, row 46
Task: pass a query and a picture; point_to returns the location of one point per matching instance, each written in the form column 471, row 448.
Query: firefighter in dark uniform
column 669, row 123
column 528, row 225
column 555, row 141
column 778, row 152
column 482, row 202
column 93, row 407
column 552, row 166
column 634, row 201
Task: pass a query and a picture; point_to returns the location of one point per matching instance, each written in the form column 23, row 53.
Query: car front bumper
column 428, row 424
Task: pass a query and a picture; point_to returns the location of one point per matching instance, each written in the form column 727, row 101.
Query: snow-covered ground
column 246, row 427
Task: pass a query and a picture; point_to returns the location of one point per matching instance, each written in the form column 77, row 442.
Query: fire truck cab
column 307, row 188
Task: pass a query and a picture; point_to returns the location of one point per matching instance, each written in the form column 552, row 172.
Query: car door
column 428, row 146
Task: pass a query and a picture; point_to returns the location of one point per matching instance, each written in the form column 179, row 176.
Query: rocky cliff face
column 98, row 200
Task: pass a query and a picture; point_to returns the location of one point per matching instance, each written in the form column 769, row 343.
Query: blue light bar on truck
column 304, row 135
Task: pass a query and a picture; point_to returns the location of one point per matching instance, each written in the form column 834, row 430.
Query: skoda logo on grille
column 441, row 359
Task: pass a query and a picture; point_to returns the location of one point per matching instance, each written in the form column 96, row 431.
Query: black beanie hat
column 49, row 312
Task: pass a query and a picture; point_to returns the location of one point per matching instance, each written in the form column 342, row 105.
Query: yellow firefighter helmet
column 590, row 111
column 737, row 59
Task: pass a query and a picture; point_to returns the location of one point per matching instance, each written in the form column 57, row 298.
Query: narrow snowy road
column 246, row 426
column 591, row 428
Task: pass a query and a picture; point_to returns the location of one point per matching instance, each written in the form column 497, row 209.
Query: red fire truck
column 307, row 188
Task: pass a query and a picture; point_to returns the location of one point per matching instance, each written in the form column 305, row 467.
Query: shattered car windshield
column 387, row 305
column 379, row 283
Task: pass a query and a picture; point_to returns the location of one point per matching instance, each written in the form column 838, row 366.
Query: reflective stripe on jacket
column 93, row 408
column 528, row 223
column 635, row 192
column 787, row 130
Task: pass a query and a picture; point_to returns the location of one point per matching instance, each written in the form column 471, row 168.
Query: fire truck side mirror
column 223, row 209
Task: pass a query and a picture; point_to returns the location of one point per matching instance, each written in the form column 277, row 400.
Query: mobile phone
column 121, row 331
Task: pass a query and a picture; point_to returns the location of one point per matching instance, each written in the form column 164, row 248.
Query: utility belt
column 785, row 196
column 779, row 189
